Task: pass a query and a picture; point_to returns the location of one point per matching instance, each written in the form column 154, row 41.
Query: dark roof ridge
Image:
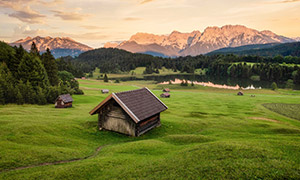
column 156, row 97
column 130, row 91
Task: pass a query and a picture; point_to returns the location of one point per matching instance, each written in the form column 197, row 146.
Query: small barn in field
column 64, row 101
column 240, row 93
column 131, row 112
column 166, row 90
column 104, row 91
column 165, row 95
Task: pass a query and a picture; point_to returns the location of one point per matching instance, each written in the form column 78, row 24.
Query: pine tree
column 51, row 67
column 105, row 79
column 34, row 50
column 20, row 99
column 31, row 69
column 52, row 94
column 30, row 94
column 7, row 84
column 22, row 89
column 2, row 100
column 40, row 97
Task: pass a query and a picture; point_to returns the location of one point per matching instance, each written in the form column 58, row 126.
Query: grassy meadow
column 206, row 133
column 139, row 72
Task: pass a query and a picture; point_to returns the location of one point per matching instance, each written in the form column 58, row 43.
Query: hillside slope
column 286, row 49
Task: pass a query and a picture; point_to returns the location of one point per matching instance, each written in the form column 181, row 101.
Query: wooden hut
column 166, row 90
column 105, row 91
column 131, row 112
column 165, row 95
column 63, row 101
column 240, row 93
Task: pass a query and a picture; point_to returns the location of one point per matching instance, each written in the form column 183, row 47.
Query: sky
column 94, row 22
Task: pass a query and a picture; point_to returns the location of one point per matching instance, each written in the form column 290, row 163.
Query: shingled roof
column 66, row 98
column 138, row 104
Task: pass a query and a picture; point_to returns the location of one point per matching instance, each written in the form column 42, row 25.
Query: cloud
column 146, row 1
column 131, row 19
column 91, row 27
column 290, row 1
column 22, row 9
column 83, row 36
column 27, row 31
column 28, row 15
column 70, row 16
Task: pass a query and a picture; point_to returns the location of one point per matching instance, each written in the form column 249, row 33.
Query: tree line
column 31, row 77
column 267, row 68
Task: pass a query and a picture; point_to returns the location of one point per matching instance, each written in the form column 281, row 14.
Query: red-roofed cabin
column 131, row 112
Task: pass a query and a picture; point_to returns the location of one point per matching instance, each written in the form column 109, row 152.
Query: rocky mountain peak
column 43, row 43
column 195, row 43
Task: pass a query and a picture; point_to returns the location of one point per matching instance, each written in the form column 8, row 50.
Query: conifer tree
column 51, row 67
column 31, row 69
column 34, row 50
column 40, row 97
column 7, row 84
column 105, row 79
column 2, row 100
column 19, row 99
column 30, row 93
column 52, row 94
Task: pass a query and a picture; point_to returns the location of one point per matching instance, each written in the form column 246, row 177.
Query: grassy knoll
column 206, row 134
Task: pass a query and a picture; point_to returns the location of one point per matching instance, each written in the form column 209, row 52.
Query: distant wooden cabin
column 105, row 91
column 131, row 112
column 165, row 95
column 240, row 93
column 64, row 101
column 166, row 90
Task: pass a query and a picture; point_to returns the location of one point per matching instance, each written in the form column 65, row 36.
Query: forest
column 31, row 77
column 34, row 78
column 277, row 68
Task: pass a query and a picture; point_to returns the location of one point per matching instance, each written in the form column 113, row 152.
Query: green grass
column 206, row 133
column 289, row 110
column 139, row 72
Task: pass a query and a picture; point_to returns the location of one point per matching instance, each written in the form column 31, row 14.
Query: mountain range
column 195, row 43
column 59, row 46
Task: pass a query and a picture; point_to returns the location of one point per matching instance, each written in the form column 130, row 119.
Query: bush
column 117, row 81
column 79, row 91
column 274, row 86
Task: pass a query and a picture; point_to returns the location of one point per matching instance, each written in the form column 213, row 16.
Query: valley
column 219, row 130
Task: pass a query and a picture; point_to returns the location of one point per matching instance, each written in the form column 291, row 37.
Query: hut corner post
column 100, row 120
